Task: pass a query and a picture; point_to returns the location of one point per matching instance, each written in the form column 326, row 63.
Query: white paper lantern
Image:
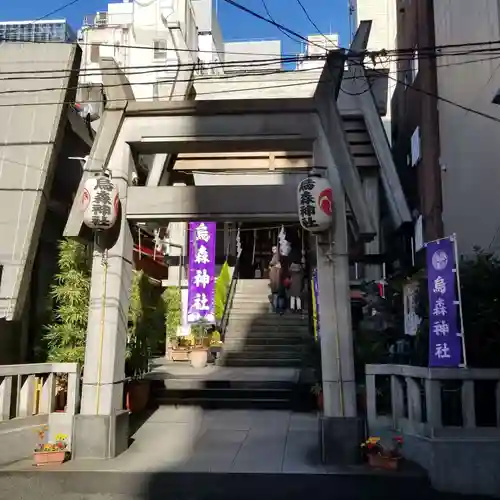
column 100, row 202
column 315, row 201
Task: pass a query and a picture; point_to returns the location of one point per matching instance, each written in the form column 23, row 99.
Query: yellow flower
column 373, row 440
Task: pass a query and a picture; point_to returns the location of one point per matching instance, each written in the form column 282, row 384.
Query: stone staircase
column 265, row 362
column 257, row 337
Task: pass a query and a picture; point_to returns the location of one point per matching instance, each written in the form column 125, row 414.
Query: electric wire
column 286, row 85
column 55, row 11
column 274, row 23
column 441, row 98
column 391, row 55
column 269, row 15
column 145, row 69
column 315, row 26
column 408, row 51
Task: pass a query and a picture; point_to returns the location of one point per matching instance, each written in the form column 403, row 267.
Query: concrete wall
column 245, row 52
column 247, row 179
column 288, row 84
column 470, row 148
column 30, row 139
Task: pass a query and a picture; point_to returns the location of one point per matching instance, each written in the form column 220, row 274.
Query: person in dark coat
column 295, row 291
column 274, row 277
column 282, row 299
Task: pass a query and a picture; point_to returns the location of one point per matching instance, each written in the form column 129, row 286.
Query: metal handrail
column 229, row 299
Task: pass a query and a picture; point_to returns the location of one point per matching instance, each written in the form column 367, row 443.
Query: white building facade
column 150, row 40
column 315, row 51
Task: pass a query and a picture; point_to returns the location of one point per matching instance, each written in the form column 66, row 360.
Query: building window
column 415, row 147
column 94, row 52
column 160, row 49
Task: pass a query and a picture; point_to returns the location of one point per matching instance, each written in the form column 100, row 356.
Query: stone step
column 254, row 308
column 220, row 403
column 251, row 289
column 243, row 294
column 249, row 329
column 223, row 393
column 263, row 362
column 349, row 483
column 201, row 383
column 264, row 332
column 267, row 318
column 237, row 345
column 267, row 341
column 262, row 354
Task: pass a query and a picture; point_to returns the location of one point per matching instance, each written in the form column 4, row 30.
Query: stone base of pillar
column 340, row 440
column 101, row 436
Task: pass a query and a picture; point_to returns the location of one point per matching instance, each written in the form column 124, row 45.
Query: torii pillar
column 340, row 428
column 101, row 427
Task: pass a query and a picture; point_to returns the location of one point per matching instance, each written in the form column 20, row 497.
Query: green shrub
column 65, row 336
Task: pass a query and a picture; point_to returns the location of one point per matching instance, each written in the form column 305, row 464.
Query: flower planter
column 41, row 458
column 137, row 395
column 198, row 358
column 178, row 354
column 379, row 461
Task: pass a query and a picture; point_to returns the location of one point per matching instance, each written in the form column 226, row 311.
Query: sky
column 329, row 16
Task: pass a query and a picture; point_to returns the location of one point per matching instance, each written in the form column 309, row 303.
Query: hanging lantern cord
column 104, row 262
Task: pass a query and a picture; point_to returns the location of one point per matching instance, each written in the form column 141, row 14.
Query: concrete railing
column 446, row 417
column 30, row 390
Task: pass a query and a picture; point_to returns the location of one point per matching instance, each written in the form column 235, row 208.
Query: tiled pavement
column 189, row 439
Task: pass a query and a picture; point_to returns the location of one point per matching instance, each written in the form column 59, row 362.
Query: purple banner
column 201, row 291
column 445, row 343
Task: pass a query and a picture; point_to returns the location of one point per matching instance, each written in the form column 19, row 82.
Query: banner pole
column 459, row 296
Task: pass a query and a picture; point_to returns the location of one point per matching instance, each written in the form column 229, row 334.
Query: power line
column 141, row 47
column 162, row 81
column 286, row 85
column 449, row 101
column 55, row 11
column 315, row 26
column 208, row 65
column 440, row 98
column 272, row 19
column 257, row 63
column 422, row 52
column 277, row 25
column 224, row 91
column 145, row 69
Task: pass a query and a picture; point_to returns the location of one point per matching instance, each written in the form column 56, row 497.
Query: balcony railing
column 31, row 389
column 449, row 419
column 434, row 402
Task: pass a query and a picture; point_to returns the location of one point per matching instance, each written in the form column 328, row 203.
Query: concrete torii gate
column 163, row 128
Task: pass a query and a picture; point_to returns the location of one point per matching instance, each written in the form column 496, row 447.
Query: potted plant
column 146, row 316
column 199, row 352
column 174, row 349
column 317, row 390
column 50, row 453
column 380, row 457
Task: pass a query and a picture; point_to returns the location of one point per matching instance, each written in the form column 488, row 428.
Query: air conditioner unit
column 101, row 19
